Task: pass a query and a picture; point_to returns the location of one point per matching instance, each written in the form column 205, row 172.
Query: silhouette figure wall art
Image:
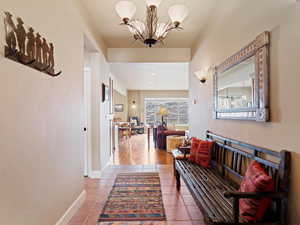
column 10, row 31
column 38, row 48
column 27, row 47
column 30, row 43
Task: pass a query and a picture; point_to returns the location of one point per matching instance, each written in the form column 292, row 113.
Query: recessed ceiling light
column 153, row 74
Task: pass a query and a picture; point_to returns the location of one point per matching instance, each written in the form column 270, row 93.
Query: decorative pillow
column 194, row 149
column 256, row 180
column 203, row 157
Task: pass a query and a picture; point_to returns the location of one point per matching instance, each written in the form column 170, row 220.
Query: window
column 177, row 110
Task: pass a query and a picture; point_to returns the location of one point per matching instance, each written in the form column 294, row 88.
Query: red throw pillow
column 203, row 157
column 256, row 180
column 194, row 149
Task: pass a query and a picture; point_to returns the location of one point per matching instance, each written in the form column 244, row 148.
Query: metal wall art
column 28, row 48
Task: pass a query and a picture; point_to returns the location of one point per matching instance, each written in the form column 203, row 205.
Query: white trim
column 95, row 174
column 108, row 163
column 72, row 209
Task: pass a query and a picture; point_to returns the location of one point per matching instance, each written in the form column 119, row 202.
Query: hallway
column 135, row 151
column 219, row 80
column 134, row 156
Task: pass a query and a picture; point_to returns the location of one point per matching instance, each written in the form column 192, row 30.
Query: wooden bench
column 215, row 189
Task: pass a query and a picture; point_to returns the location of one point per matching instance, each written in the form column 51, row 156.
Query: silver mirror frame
column 260, row 112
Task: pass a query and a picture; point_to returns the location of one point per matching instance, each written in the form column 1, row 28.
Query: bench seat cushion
column 208, row 188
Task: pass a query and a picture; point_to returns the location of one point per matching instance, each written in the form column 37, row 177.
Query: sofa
column 162, row 133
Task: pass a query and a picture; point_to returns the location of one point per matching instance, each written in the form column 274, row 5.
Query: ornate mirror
column 241, row 83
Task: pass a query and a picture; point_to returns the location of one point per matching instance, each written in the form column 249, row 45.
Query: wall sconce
column 202, row 75
column 133, row 105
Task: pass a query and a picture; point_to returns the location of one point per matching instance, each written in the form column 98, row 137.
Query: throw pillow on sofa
column 203, row 155
column 256, row 180
column 194, row 149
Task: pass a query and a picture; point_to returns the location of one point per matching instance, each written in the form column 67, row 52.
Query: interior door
column 111, row 117
column 87, row 117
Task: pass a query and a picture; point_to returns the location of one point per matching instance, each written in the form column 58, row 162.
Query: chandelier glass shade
column 151, row 30
column 178, row 13
column 125, row 9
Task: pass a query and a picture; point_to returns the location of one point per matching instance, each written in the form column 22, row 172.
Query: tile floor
column 180, row 206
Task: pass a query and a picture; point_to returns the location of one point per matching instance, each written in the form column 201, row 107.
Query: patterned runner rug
column 134, row 197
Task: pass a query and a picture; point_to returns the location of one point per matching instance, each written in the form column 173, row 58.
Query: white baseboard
column 96, row 174
column 64, row 220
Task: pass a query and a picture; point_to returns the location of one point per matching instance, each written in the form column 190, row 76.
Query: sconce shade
column 153, row 2
column 125, row 9
column 198, row 74
column 178, row 13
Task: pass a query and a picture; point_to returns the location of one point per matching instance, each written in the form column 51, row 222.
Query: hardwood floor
column 136, row 151
column 133, row 155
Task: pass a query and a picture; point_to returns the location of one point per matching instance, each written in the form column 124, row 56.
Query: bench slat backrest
column 231, row 158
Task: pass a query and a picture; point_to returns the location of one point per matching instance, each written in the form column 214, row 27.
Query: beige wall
column 139, row 97
column 121, row 99
column 149, row 55
column 41, row 139
column 225, row 36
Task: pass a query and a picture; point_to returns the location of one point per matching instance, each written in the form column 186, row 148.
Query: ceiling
column 203, row 15
column 106, row 21
column 152, row 76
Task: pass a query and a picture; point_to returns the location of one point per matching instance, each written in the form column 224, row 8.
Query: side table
column 173, row 142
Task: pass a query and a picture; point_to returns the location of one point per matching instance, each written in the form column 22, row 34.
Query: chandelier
column 151, row 31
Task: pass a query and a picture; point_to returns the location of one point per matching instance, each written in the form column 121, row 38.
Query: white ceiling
column 152, row 76
column 106, row 21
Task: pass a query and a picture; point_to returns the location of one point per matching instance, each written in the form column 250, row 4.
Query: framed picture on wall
column 119, row 108
column 105, row 92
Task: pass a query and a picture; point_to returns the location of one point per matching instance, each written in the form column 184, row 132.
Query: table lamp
column 163, row 112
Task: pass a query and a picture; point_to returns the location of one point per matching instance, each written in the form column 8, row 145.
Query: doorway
column 89, row 69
